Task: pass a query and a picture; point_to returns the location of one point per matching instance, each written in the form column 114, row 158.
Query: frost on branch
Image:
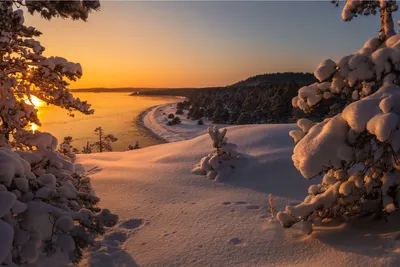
column 356, row 152
column 220, row 164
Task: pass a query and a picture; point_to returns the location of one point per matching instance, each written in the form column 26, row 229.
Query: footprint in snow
column 253, row 207
column 236, row 241
column 243, row 203
column 132, row 224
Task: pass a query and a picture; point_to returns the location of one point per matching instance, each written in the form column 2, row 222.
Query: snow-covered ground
column 155, row 119
column 171, row 217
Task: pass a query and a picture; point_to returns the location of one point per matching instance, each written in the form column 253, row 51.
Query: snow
column 325, row 70
column 310, row 156
column 155, row 120
column 171, row 217
column 7, row 236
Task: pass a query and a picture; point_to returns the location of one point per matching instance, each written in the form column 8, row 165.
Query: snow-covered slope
column 155, row 119
column 170, row 217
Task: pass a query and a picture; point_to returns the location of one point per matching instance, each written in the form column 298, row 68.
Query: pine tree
column 366, row 134
column 104, row 141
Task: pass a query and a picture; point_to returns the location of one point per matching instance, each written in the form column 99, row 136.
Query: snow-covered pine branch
column 354, row 8
column 24, row 71
column 357, row 151
column 220, row 164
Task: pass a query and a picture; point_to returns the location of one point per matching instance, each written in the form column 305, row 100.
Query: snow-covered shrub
column 174, row 121
column 67, row 149
column 45, row 206
column 220, row 164
column 135, row 146
column 88, row 148
column 356, row 152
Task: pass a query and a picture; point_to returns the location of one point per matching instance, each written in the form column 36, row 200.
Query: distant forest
column 263, row 98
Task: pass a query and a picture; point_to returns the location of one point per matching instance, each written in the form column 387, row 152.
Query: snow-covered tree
column 46, row 208
column 220, row 164
column 357, row 151
column 26, row 72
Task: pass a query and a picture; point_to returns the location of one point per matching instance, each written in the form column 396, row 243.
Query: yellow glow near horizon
column 36, row 102
column 33, row 127
column 139, row 50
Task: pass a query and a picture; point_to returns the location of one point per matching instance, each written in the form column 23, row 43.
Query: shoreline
column 141, row 125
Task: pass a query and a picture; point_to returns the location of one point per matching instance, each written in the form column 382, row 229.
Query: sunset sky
column 197, row 44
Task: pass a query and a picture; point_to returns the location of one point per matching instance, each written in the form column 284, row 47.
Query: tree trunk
column 387, row 25
column 100, row 143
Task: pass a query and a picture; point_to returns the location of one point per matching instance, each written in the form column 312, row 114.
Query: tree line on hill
column 256, row 100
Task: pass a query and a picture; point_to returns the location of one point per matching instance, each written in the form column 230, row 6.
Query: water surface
column 117, row 113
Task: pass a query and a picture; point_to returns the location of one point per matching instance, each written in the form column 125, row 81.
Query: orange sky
column 150, row 47
column 197, row 44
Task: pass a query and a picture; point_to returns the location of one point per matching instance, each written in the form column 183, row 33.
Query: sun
column 35, row 101
column 34, row 127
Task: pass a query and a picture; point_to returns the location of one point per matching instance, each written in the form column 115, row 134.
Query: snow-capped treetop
column 354, row 76
column 353, row 8
column 218, row 137
column 25, row 71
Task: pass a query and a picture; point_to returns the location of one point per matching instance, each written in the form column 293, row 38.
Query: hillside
column 277, row 78
column 171, row 217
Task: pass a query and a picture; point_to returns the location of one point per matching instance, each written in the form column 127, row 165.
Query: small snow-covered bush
column 135, row 146
column 174, row 121
column 356, row 152
column 220, row 164
column 67, row 149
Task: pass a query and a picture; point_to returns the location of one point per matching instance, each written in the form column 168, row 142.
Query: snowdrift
column 170, row 217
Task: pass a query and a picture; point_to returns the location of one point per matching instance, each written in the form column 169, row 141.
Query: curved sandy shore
column 154, row 120
column 140, row 124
